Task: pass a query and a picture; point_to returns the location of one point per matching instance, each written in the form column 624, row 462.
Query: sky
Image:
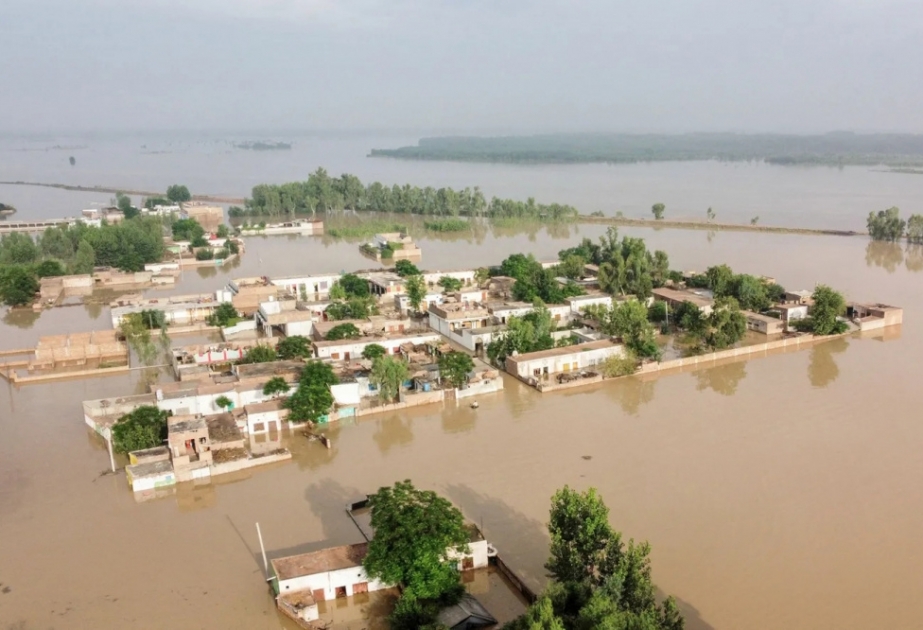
column 462, row 66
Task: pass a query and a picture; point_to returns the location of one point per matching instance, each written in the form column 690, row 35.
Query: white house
column 326, row 574
column 567, row 359
column 351, row 349
column 402, row 302
column 580, row 302
column 466, row 276
column 307, row 288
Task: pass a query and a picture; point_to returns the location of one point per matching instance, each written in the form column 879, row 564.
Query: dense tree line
column 323, row 193
column 831, row 148
column 534, row 282
column 75, row 249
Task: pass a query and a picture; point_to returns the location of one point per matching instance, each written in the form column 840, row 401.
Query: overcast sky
column 462, row 65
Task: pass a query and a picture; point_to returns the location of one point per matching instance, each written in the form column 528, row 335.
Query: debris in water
column 587, row 457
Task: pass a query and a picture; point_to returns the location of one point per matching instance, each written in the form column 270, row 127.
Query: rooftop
column 699, row 299
column 759, row 317
column 322, row 561
column 467, row 613
column 150, row 469
column 182, row 424
column 555, row 352
column 223, row 428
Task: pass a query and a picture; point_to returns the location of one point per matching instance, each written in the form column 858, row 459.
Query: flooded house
column 544, row 364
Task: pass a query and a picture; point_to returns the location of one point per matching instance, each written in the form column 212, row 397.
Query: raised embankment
column 712, row 226
column 126, row 191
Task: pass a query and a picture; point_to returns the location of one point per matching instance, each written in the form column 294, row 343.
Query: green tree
column 55, row 243
column 416, row 291
column 751, row 293
column 657, row 210
column 915, row 228
column 373, row 351
column 354, row 286
column 828, row 306
column 450, row 284
column 415, row 531
column 312, row 399
column 223, row 402
column 294, row 347
column 720, row 279
column 657, row 313
column 405, row 268
column 188, row 230
column 572, row 266
column 225, row 315
column 343, row 331
column 18, row 249
column 223, row 231
column 584, row 547
column 145, row 427
column 529, row 333
column 387, row 374
column 84, row 259
column 177, row 193
column 539, row 616
column 454, row 368
column 726, row 324
column 260, row 353
column 49, row 268
column 886, row 225
column 481, row 275
column 275, row 385
column 18, row 285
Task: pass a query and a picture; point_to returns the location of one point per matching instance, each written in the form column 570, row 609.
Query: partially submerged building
column 701, row 298
column 533, row 366
column 874, row 316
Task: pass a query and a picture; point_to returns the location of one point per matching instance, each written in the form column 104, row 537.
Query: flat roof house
column 674, row 298
column 764, row 323
column 326, row 574
column 874, row 316
column 567, row 359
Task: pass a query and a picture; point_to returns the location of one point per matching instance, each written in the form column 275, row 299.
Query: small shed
column 467, row 614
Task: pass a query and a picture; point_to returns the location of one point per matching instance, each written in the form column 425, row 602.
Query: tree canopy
column 373, row 351
column 534, row 282
column 416, row 291
column 224, row 315
column 529, row 333
column 346, row 330
column 828, row 306
column 312, row 399
column 406, row 268
column 275, row 385
column 886, row 225
column 18, row 285
column 260, row 353
column 450, row 284
column 415, row 530
column 599, row 582
column 294, row 347
column 454, row 368
column 178, row 193
column 388, row 372
column 145, row 427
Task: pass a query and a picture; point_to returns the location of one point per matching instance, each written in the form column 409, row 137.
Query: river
column 784, row 492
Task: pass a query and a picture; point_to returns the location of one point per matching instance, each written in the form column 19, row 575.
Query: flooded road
column 784, row 492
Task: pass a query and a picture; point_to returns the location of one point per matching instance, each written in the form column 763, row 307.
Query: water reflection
column 632, row 392
column 94, row 309
column 327, row 501
column 822, row 368
column 722, row 379
column 884, row 254
column 394, row 431
column 21, row 317
column 913, row 257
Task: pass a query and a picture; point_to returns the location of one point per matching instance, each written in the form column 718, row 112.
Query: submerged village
column 302, row 351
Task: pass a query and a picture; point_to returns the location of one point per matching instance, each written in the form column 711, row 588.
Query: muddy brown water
column 784, row 492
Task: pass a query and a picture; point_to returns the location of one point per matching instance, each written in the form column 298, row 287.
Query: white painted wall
column 329, row 582
column 355, row 346
column 583, row 358
column 477, row 551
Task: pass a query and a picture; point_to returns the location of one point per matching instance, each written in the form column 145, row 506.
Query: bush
column 373, row 351
column 620, row 365
column 204, row 254
column 657, row 313
column 294, row 347
column 406, row 268
column 260, row 354
column 343, row 331
column 225, row 315
column 145, row 427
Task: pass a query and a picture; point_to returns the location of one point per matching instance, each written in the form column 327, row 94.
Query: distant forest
column 837, row 148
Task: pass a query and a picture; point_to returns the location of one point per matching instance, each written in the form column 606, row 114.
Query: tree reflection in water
column 392, row 431
column 913, row 258
column 21, row 317
column 631, row 393
column 722, row 379
column 822, row 369
column 884, row 254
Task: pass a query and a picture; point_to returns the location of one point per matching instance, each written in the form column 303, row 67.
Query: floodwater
column 818, row 197
column 784, row 492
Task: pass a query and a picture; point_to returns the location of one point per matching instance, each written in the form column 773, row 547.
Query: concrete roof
column 182, row 424
column 323, row 561
column 467, row 613
column 554, row 352
column 150, row 469
column 762, row 318
column 683, row 296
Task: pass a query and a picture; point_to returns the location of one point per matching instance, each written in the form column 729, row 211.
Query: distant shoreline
column 127, row 191
column 681, row 224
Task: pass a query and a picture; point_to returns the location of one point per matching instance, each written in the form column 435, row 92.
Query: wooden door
column 361, row 587
column 318, row 595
